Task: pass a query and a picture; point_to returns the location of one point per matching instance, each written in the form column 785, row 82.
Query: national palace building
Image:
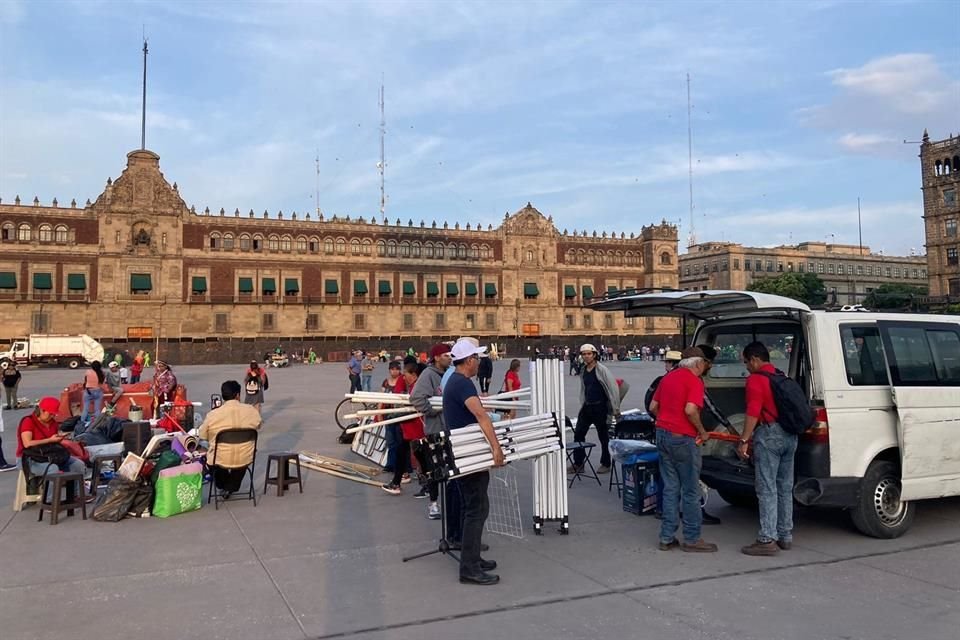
column 139, row 265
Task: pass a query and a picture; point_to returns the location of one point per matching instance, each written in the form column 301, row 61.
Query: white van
column 886, row 388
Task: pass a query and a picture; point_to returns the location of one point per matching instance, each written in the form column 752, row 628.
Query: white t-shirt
column 124, row 373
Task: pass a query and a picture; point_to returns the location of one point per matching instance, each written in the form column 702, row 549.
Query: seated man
column 231, row 460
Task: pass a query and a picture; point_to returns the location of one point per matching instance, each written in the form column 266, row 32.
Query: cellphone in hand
column 215, row 400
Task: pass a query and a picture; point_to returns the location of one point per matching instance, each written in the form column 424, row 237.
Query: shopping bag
column 178, row 490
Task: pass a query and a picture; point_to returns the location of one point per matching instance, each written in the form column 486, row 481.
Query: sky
column 797, row 110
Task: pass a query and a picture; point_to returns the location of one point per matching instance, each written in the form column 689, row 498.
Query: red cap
column 438, row 350
column 49, row 404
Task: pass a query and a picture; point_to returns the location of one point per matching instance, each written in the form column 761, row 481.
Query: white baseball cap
column 588, row 347
column 464, row 348
column 113, row 365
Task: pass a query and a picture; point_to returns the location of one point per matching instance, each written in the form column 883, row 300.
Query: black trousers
column 484, row 383
column 453, row 512
column 592, row 415
column 228, row 479
column 475, row 508
column 433, row 487
column 355, row 383
column 402, row 463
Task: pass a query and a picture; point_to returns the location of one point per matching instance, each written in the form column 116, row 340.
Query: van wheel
column 880, row 513
column 4, row 364
column 739, row 498
column 73, row 364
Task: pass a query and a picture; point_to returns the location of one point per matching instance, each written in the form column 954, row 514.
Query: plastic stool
column 283, row 479
column 75, row 499
column 115, row 458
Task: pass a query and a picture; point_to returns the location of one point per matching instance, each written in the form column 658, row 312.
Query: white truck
column 71, row 350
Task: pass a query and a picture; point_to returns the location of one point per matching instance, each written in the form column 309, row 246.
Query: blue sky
column 578, row 107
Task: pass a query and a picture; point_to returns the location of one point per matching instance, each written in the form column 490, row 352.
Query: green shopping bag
column 178, row 490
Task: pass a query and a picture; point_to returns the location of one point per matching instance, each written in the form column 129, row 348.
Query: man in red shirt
column 773, row 452
column 676, row 405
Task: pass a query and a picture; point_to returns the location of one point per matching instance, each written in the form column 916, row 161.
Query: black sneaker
column 481, row 578
column 7, row 467
column 423, row 493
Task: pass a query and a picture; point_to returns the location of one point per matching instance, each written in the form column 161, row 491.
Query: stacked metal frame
column 550, row 500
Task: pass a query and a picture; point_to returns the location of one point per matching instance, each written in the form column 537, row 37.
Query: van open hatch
column 699, row 305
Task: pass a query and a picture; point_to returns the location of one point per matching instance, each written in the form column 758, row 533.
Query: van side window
column 925, row 356
column 863, row 356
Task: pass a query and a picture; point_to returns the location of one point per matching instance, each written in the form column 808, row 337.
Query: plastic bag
column 114, row 503
column 178, row 490
column 623, row 449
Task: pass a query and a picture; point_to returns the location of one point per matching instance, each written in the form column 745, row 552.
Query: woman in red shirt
column 511, row 382
column 40, row 428
column 411, row 430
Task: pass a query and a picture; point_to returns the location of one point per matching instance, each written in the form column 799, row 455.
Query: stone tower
column 940, row 174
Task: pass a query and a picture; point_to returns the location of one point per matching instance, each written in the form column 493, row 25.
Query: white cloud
column 886, row 100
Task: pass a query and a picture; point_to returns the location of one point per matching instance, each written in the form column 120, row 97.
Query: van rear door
column 923, row 361
column 698, row 305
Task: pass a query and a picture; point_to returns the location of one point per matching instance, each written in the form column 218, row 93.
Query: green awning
column 140, row 282
column 383, row 287
column 199, row 284
column 587, row 291
column 331, row 287
column 433, row 289
column 360, row 287
column 471, row 288
column 612, row 288
column 569, row 291
column 8, row 280
column 76, row 281
column 530, row 289
column 490, row 290
column 246, row 285
column 408, row 288
column 452, row 290
column 290, row 285
column 269, row 286
column 43, row 281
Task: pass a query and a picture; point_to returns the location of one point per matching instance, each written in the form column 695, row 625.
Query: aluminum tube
column 504, row 424
column 480, row 466
column 376, row 412
column 473, row 435
column 547, row 432
column 473, row 447
column 371, row 425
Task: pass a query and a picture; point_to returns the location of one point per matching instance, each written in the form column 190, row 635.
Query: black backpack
column 794, row 412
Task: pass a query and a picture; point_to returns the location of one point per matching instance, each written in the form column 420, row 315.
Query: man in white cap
column 112, row 378
column 461, row 407
column 599, row 405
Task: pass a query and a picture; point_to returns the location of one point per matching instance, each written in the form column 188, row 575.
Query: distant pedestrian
column 511, row 382
column 11, row 382
column 599, row 405
column 124, row 375
column 353, row 371
column 367, row 366
column 136, row 370
column 485, row 373
column 255, row 382
column 92, row 391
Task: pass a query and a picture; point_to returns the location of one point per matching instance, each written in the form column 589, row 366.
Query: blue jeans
column 95, row 395
column 37, row 469
column 393, row 436
column 365, row 381
column 680, row 471
column 773, row 451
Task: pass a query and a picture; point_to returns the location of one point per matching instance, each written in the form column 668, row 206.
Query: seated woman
column 40, row 428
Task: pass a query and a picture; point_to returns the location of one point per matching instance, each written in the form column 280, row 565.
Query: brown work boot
column 603, row 469
column 761, row 549
column 785, row 545
column 700, row 546
column 668, row 546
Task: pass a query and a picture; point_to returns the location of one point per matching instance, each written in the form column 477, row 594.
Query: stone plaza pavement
column 327, row 563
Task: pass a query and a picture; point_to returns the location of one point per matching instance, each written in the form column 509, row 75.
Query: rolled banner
column 187, row 441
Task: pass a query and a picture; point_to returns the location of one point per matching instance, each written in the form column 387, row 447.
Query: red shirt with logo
column 675, row 390
column 760, row 402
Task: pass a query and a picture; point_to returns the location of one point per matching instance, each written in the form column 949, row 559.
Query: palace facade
column 849, row 272
column 139, row 265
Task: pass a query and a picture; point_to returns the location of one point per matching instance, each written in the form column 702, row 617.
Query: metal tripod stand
column 444, row 545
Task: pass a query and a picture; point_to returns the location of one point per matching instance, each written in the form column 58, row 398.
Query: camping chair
column 232, row 437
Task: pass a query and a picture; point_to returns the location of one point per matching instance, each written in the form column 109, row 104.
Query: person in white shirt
column 124, row 375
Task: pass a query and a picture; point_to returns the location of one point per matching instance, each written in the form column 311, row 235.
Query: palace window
column 228, row 241
column 46, row 233
column 273, row 243
column 392, row 249
column 244, row 242
column 301, row 245
column 24, row 233
column 8, row 231
column 341, row 246
column 355, row 247
column 286, row 244
column 258, row 242
column 950, row 227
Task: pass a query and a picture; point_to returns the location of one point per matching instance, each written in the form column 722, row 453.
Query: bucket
column 135, row 414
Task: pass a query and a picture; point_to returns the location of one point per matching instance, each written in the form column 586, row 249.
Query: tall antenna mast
column 143, row 113
column 693, row 234
column 382, row 165
column 859, row 226
column 318, row 182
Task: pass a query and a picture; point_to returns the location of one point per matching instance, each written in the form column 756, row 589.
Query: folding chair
column 232, row 437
